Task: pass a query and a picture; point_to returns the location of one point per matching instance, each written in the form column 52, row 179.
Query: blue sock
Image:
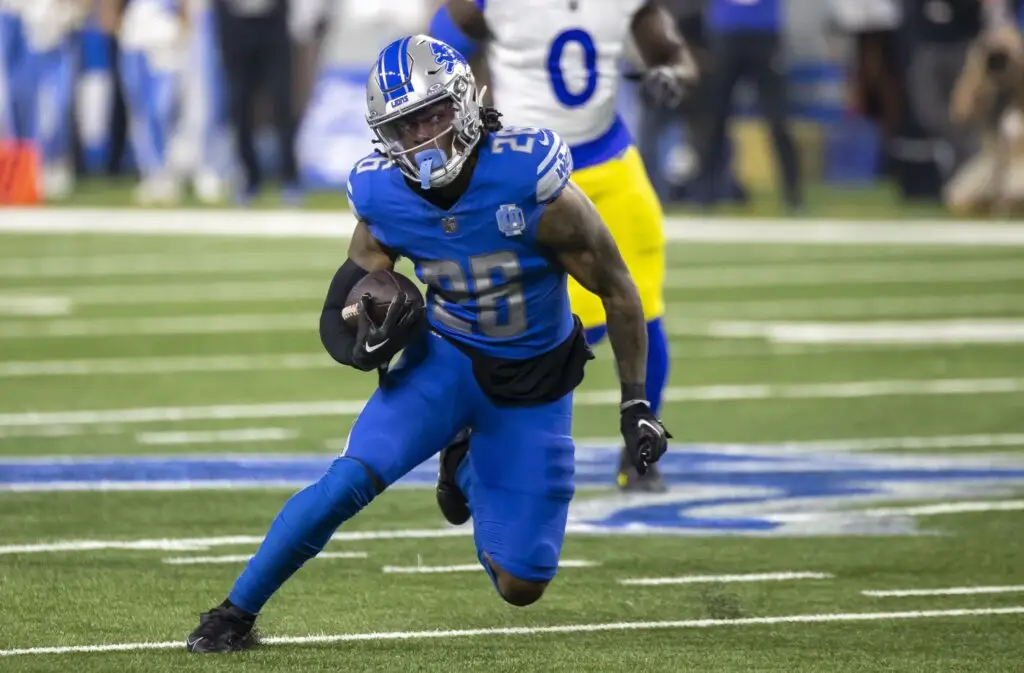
column 658, row 361
column 302, row 528
column 657, row 358
column 595, row 334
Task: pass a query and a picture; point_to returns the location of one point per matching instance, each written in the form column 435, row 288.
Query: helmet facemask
column 433, row 160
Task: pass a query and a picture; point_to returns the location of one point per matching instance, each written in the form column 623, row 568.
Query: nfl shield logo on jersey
column 511, row 220
column 449, row 225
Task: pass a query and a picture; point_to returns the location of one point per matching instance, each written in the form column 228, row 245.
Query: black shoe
column 450, row 497
column 629, row 480
column 225, row 628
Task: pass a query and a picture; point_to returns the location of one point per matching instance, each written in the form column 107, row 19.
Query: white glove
column 159, row 34
column 48, row 22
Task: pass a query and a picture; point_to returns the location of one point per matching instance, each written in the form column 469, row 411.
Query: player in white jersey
column 44, row 85
column 554, row 64
column 176, row 122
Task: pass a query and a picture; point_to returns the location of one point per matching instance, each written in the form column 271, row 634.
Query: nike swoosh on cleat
column 191, row 644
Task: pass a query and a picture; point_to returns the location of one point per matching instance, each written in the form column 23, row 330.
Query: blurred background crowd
column 216, row 99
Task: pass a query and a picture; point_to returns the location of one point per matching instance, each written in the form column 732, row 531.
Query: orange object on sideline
column 19, row 174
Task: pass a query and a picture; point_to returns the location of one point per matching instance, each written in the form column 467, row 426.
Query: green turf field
column 848, row 420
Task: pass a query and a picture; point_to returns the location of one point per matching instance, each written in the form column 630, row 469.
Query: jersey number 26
column 490, row 297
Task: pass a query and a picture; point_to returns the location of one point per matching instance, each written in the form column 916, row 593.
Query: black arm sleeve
column 335, row 337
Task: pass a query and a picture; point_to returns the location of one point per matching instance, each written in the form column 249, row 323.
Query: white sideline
column 871, row 444
column 313, row 224
column 243, row 558
column 294, row 275
column 692, row 315
column 950, row 591
column 893, row 271
column 166, row 364
column 471, row 567
column 744, row 577
column 714, row 393
column 183, row 263
column 216, row 436
column 966, row 507
column 543, row 630
column 31, row 304
column 198, row 293
column 314, row 361
column 204, row 543
column 966, row 318
column 255, row 323
column 958, row 331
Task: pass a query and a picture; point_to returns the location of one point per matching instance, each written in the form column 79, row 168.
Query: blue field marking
column 754, row 489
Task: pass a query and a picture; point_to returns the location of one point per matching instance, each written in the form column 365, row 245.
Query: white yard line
column 683, row 316
column 903, row 332
column 967, row 507
column 691, row 318
column 167, row 264
column 146, row 486
column 950, row 591
column 244, row 558
column 824, row 275
column 844, row 273
column 312, row 224
column 202, row 413
column 193, row 324
column 201, row 293
column 320, row 360
column 750, row 231
column 51, row 431
column 894, row 444
column 824, row 618
column 166, row 365
column 947, row 508
column 739, row 392
column 34, row 304
column 204, row 543
column 471, row 567
column 708, row 579
column 247, row 435
column 851, row 390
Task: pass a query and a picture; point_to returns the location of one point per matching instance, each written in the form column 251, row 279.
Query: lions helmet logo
column 446, row 57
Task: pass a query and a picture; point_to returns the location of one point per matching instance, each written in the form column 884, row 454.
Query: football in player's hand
column 382, row 286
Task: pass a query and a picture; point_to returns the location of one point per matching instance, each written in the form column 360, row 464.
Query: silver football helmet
column 414, row 73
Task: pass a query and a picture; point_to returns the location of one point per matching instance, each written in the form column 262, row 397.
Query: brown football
column 383, row 286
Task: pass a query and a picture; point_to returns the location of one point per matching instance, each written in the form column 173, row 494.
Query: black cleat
column 630, row 480
column 450, row 497
column 226, row 628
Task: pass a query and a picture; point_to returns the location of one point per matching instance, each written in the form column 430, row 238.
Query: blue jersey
column 491, row 285
column 740, row 15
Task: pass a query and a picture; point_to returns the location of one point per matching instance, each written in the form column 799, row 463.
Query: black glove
column 377, row 344
column 646, row 438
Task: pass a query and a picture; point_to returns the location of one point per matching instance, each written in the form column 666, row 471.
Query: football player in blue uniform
column 494, row 227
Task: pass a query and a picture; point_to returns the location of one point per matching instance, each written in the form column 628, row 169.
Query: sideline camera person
column 989, row 95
